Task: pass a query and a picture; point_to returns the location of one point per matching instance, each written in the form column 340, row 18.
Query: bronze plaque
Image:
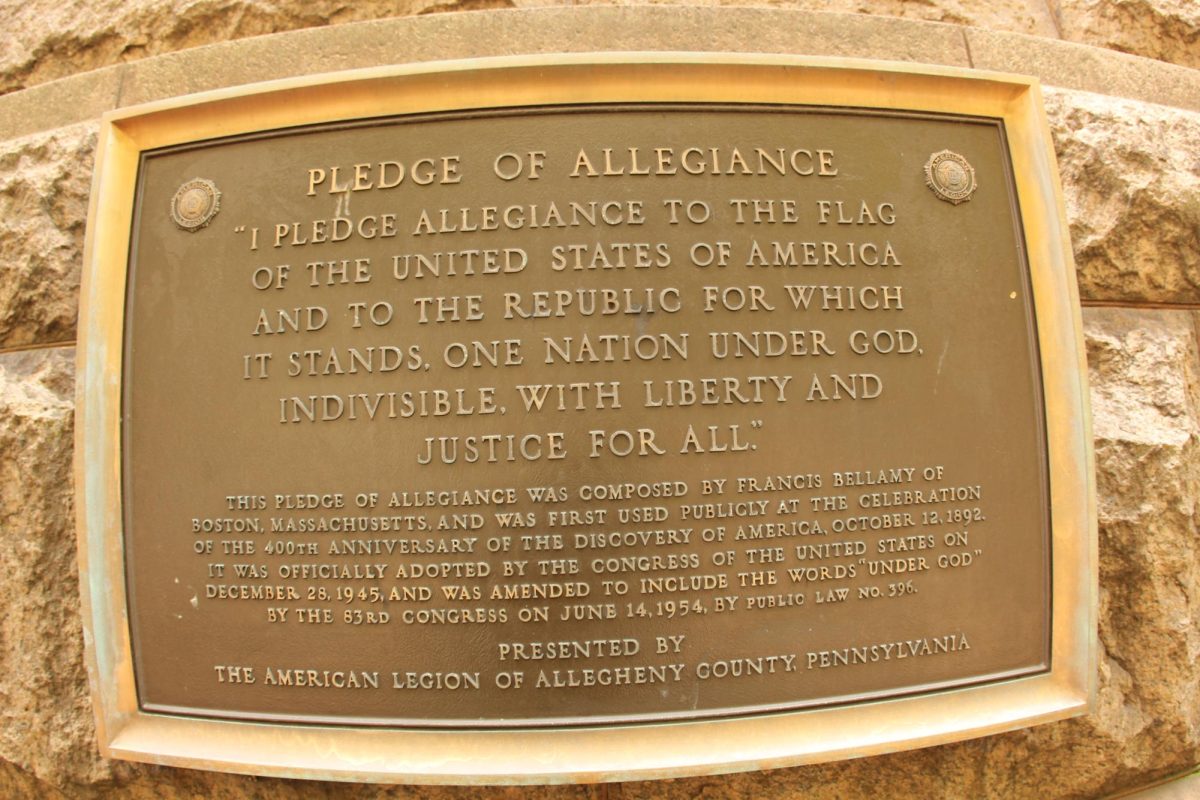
column 579, row 415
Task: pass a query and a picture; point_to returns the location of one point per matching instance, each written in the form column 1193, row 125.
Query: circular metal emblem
column 950, row 177
column 195, row 204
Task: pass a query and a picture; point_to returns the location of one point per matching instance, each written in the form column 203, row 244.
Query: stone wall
column 1123, row 99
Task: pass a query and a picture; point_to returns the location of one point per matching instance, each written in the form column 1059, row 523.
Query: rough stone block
column 1131, row 183
column 44, row 184
column 46, row 725
column 1168, row 30
column 50, row 39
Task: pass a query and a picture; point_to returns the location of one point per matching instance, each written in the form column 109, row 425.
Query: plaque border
column 606, row 752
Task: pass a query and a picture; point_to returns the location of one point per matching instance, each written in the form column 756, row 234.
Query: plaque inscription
column 582, row 415
column 586, row 415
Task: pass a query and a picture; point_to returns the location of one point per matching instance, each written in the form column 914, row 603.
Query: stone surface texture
column 1168, row 30
column 44, row 185
column 1145, row 395
column 44, row 709
column 50, row 40
column 1131, row 181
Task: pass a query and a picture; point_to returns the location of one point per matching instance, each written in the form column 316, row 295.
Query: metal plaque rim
column 605, row 753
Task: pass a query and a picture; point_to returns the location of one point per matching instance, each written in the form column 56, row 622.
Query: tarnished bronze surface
column 514, row 417
column 586, row 415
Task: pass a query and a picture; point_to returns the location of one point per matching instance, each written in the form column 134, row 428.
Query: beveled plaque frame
column 595, row 753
